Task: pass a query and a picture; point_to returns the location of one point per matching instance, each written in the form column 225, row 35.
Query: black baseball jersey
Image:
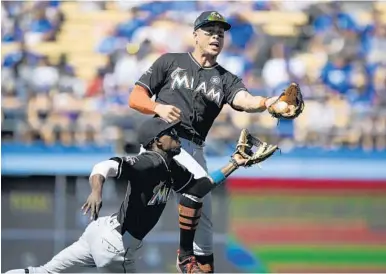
column 150, row 183
column 178, row 79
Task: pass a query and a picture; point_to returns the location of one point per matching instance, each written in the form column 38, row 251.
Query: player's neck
column 204, row 60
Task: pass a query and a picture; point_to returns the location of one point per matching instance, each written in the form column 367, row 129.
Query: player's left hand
column 93, row 202
column 288, row 105
column 240, row 160
column 245, row 154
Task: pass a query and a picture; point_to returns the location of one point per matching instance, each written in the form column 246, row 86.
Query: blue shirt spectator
column 235, row 63
column 261, row 5
column 127, row 28
column 14, row 57
column 156, row 7
column 110, row 44
column 54, row 3
column 361, row 91
column 13, row 34
column 326, row 21
column 366, row 35
column 241, row 32
column 188, row 6
column 336, row 74
column 40, row 23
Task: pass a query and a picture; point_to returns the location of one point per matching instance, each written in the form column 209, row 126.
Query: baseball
column 281, row 107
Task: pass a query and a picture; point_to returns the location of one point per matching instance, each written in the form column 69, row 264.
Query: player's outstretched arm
column 288, row 105
column 247, row 102
column 244, row 156
column 97, row 178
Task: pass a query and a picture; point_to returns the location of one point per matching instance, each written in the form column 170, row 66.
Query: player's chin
column 214, row 51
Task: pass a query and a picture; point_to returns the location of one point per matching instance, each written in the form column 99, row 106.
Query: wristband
column 217, row 176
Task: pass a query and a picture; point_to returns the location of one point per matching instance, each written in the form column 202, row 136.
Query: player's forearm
column 100, row 172
column 218, row 176
column 141, row 101
column 248, row 103
column 96, row 183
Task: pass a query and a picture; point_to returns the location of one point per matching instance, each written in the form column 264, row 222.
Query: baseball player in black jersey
column 193, row 88
column 109, row 243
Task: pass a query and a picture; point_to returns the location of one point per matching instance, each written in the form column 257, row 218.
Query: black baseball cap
column 208, row 17
column 153, row 128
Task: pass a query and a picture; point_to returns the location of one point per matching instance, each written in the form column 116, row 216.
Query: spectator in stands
column 95, row 87
column 38, row 110
column 262, row 5
column 10, row 30
column 127, row 68
column 282, row 67
column 232, row 60
column 57, row 102
column 15, row 57
column 336, row 74
column 138, row 20
column 63, row 66
column 242, row 31
column 378, row 77
column 360, row 93
column 45, row 76
column 52, row 13
column 39, row 29
column 111, row 42
column 374, row 39
column 333, row 16
column 13, row 111
column 88, row 6
column 68, row 81
column 221, row 6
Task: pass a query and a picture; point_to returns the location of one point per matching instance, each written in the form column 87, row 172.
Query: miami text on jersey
column 182, row 79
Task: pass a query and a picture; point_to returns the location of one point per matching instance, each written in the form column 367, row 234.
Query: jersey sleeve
column 233, row 85
column 182, row 177
column 131, row 167
column 155, row 76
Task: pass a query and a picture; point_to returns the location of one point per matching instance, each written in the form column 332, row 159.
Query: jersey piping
column 195, row 61
column 152, row 93
column 163, row 160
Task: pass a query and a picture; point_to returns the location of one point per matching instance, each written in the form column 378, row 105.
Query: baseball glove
column 293, row 97
column 248, row 143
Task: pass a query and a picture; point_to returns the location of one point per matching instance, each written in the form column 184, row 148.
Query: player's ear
column 158, row 142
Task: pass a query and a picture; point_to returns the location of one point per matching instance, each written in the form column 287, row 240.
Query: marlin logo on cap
column 216, row 15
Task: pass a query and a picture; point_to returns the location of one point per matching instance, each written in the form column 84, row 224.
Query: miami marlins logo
column 161, row 194
column 216, row 15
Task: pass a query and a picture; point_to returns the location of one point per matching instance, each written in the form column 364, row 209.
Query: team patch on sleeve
column 131, row 160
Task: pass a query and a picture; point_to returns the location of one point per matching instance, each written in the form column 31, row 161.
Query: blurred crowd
column 336, row 52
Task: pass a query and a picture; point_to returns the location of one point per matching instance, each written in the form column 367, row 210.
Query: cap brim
column 226, row 25
column 145, row 138
column 170, row 126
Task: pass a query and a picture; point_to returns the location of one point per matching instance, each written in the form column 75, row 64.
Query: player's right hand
column 93, row 202
column 168, row 112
